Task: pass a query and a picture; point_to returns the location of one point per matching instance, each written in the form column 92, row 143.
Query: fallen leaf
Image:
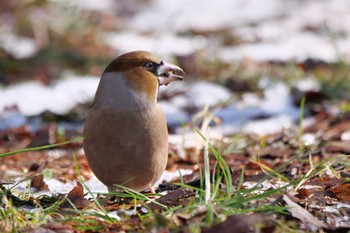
column 342, row 191
column 177, row 197
column 76, row 196
column 38, row 183
column 303, row 193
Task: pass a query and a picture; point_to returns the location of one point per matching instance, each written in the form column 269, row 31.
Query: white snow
column 100, row 5
column 204, row 15
column 174, row 115
column 203, row 93
column 33, row 98
column 19, row 47
column 162, row 44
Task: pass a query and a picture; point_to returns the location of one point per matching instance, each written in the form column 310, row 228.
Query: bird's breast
column 114, row 93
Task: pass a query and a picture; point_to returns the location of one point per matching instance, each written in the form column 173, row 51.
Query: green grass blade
column 40, row 147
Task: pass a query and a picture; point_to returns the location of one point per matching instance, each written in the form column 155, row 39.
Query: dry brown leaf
column 303, row 193
column 177, row 197
column 76, row 196
column 38, row 183
column 342, row 191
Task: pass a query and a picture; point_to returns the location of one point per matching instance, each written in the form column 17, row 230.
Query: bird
column 125, row 132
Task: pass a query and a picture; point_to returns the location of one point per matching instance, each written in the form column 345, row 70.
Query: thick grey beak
column 168, row 73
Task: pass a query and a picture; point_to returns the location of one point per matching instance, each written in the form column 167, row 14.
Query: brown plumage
column 126, row 137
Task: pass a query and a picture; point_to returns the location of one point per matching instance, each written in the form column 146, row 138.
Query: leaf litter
column 321, row 200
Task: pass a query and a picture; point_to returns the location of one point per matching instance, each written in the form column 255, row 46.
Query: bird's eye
column 149, row 65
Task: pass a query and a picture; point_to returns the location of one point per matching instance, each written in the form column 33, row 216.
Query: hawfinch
column 126, row 136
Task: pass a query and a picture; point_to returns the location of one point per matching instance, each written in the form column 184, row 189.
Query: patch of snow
column 179, row 101
column 345, row 136
column 186, row 140
column 276, row 103
column 173, row 114
column 335, row 209
column 207, row 94
column 19, row 47
column 268, row 126
column 168, row 176
column 11, row 118
column 277, row 100
column 95, row 185
column 190, row 15
column 174, row 87
column 266, row 185
column 33, row 98
column 101, row 5
column 298, row 47
column 310, row 186
column 308, row 121
column 220, row 131
column 308, row 139
column 343, row 45
column 164, row 45
column 238, row 115
column 335, row 14
column 308, row 84
column 114, row 214
column 294, row 35
column 56, row 186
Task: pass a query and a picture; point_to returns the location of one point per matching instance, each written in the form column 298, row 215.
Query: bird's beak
column 168, row 73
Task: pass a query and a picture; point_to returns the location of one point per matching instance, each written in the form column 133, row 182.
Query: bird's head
column 144, row 72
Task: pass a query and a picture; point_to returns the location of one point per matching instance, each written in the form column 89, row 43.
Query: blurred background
column 248, row 62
